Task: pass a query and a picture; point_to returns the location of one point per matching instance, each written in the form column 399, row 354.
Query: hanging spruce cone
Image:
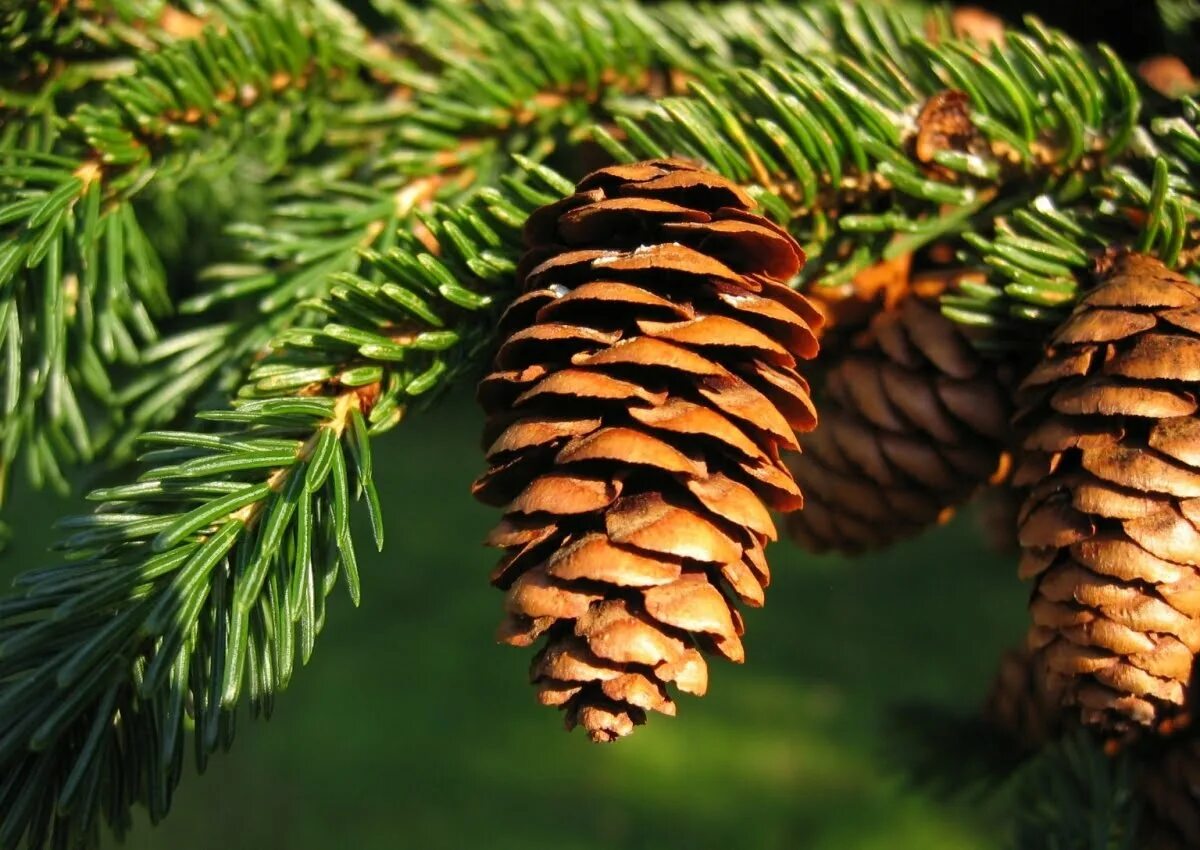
column 1019, row 704
column 910, row 427
column 1110, row 531
column 636, row 414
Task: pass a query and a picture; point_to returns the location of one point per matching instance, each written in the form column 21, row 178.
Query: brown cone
column 911, row 426
column 636, row 414
column 1110, row 532
column 1019, row 705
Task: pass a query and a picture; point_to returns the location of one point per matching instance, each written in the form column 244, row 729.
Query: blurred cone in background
column 1019, row 703
column 913, row 422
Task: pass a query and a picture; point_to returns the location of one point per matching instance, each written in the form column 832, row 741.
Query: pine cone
column 636, row 413
column 1111, row 528
column 910, row 427
column 1019, row 705
column 1169, row 786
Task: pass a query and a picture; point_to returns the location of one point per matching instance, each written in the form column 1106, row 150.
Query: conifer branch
column 448, row 132
column 833, row 142
column 50, row 47
column 80, row 282
column 501, row 85
column 194, row 588
column 1074, row 795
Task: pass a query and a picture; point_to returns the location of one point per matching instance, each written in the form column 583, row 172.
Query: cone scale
column 637, row 410
column 1110, row 531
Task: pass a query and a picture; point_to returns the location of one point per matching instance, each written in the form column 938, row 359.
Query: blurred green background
column 411, row 728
